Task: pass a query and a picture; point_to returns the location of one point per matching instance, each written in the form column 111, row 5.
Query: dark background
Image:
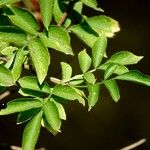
column 109, row 126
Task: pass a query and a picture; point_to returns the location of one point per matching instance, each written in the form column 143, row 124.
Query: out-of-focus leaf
column 8, row 51
column 13, row 35
column 21, row 104
column 27, row 115
column 113, row 89
column 66, row 71
column 135, row 76
column 93, row 94
column 17, row 65
column 4, row 2
column 84, row 61
column 40, row 57
column 124, row 58
column 52, row 115
column 31, row 132
column 22, row 18
column 6, row 78
column 99, row 50
column 46, row 9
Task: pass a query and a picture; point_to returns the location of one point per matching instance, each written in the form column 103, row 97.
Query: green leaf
column 85, row 33
column 17, row 65
column 99, row 50
column 66, row 71
column 52, row 115
column 93, row 94
column 110, row 70
column 2, row 89
column 92, row 3
column 111, row 85
column 48, row 127
column 67, row 92
column 31, row 82
column 59, row 39
column 19, row 105
column 10, row 61
column 13, row 35
column 4, row 2
column 40, row 57
column 27, row 115
column 119, row 70
column 22, row 18
column 125, row 58
column 103, row 24
column 61, row 110
column 84, row 61
column 76, row 82
column 46, row 9
column 8, row 51
column 6, row 78
column 31, row 132
column 89, row 77
column 135, row 76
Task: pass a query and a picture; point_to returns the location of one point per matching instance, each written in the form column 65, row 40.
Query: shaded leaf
column 125, row 58
column 135, row 76
column 66, row 71
column 40, row 57
column 13, row 35
column 113, row 89
column 46, row 9
column 93, row 94
column 22, row 18
column 27, row 115
column 31, row 132
column 52, row 115
column 21, row 104
column 17, row 64
column 99, row 50
column 84, row 61
column 6, row 78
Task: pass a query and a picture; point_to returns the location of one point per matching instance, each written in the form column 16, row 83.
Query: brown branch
column 4, row 59
column 134, row 145
column 4, row 95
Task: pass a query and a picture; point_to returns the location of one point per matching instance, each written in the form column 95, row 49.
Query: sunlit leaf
column 111, row 85
column 6, row 78
column 13, row 35
column 66, row 71
column 93, row 94
column 125, row 58
column 52, row 115
column 22, row 18
column 31, row 132
column 110, row 70
column 31, row 82
column 21, row 104
column 40, row 57
column 99, row 50
column 91, row 3
column 4, row 2
column 46, row 9
column 84, row 61
column 89, row 77
column 135, row 76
